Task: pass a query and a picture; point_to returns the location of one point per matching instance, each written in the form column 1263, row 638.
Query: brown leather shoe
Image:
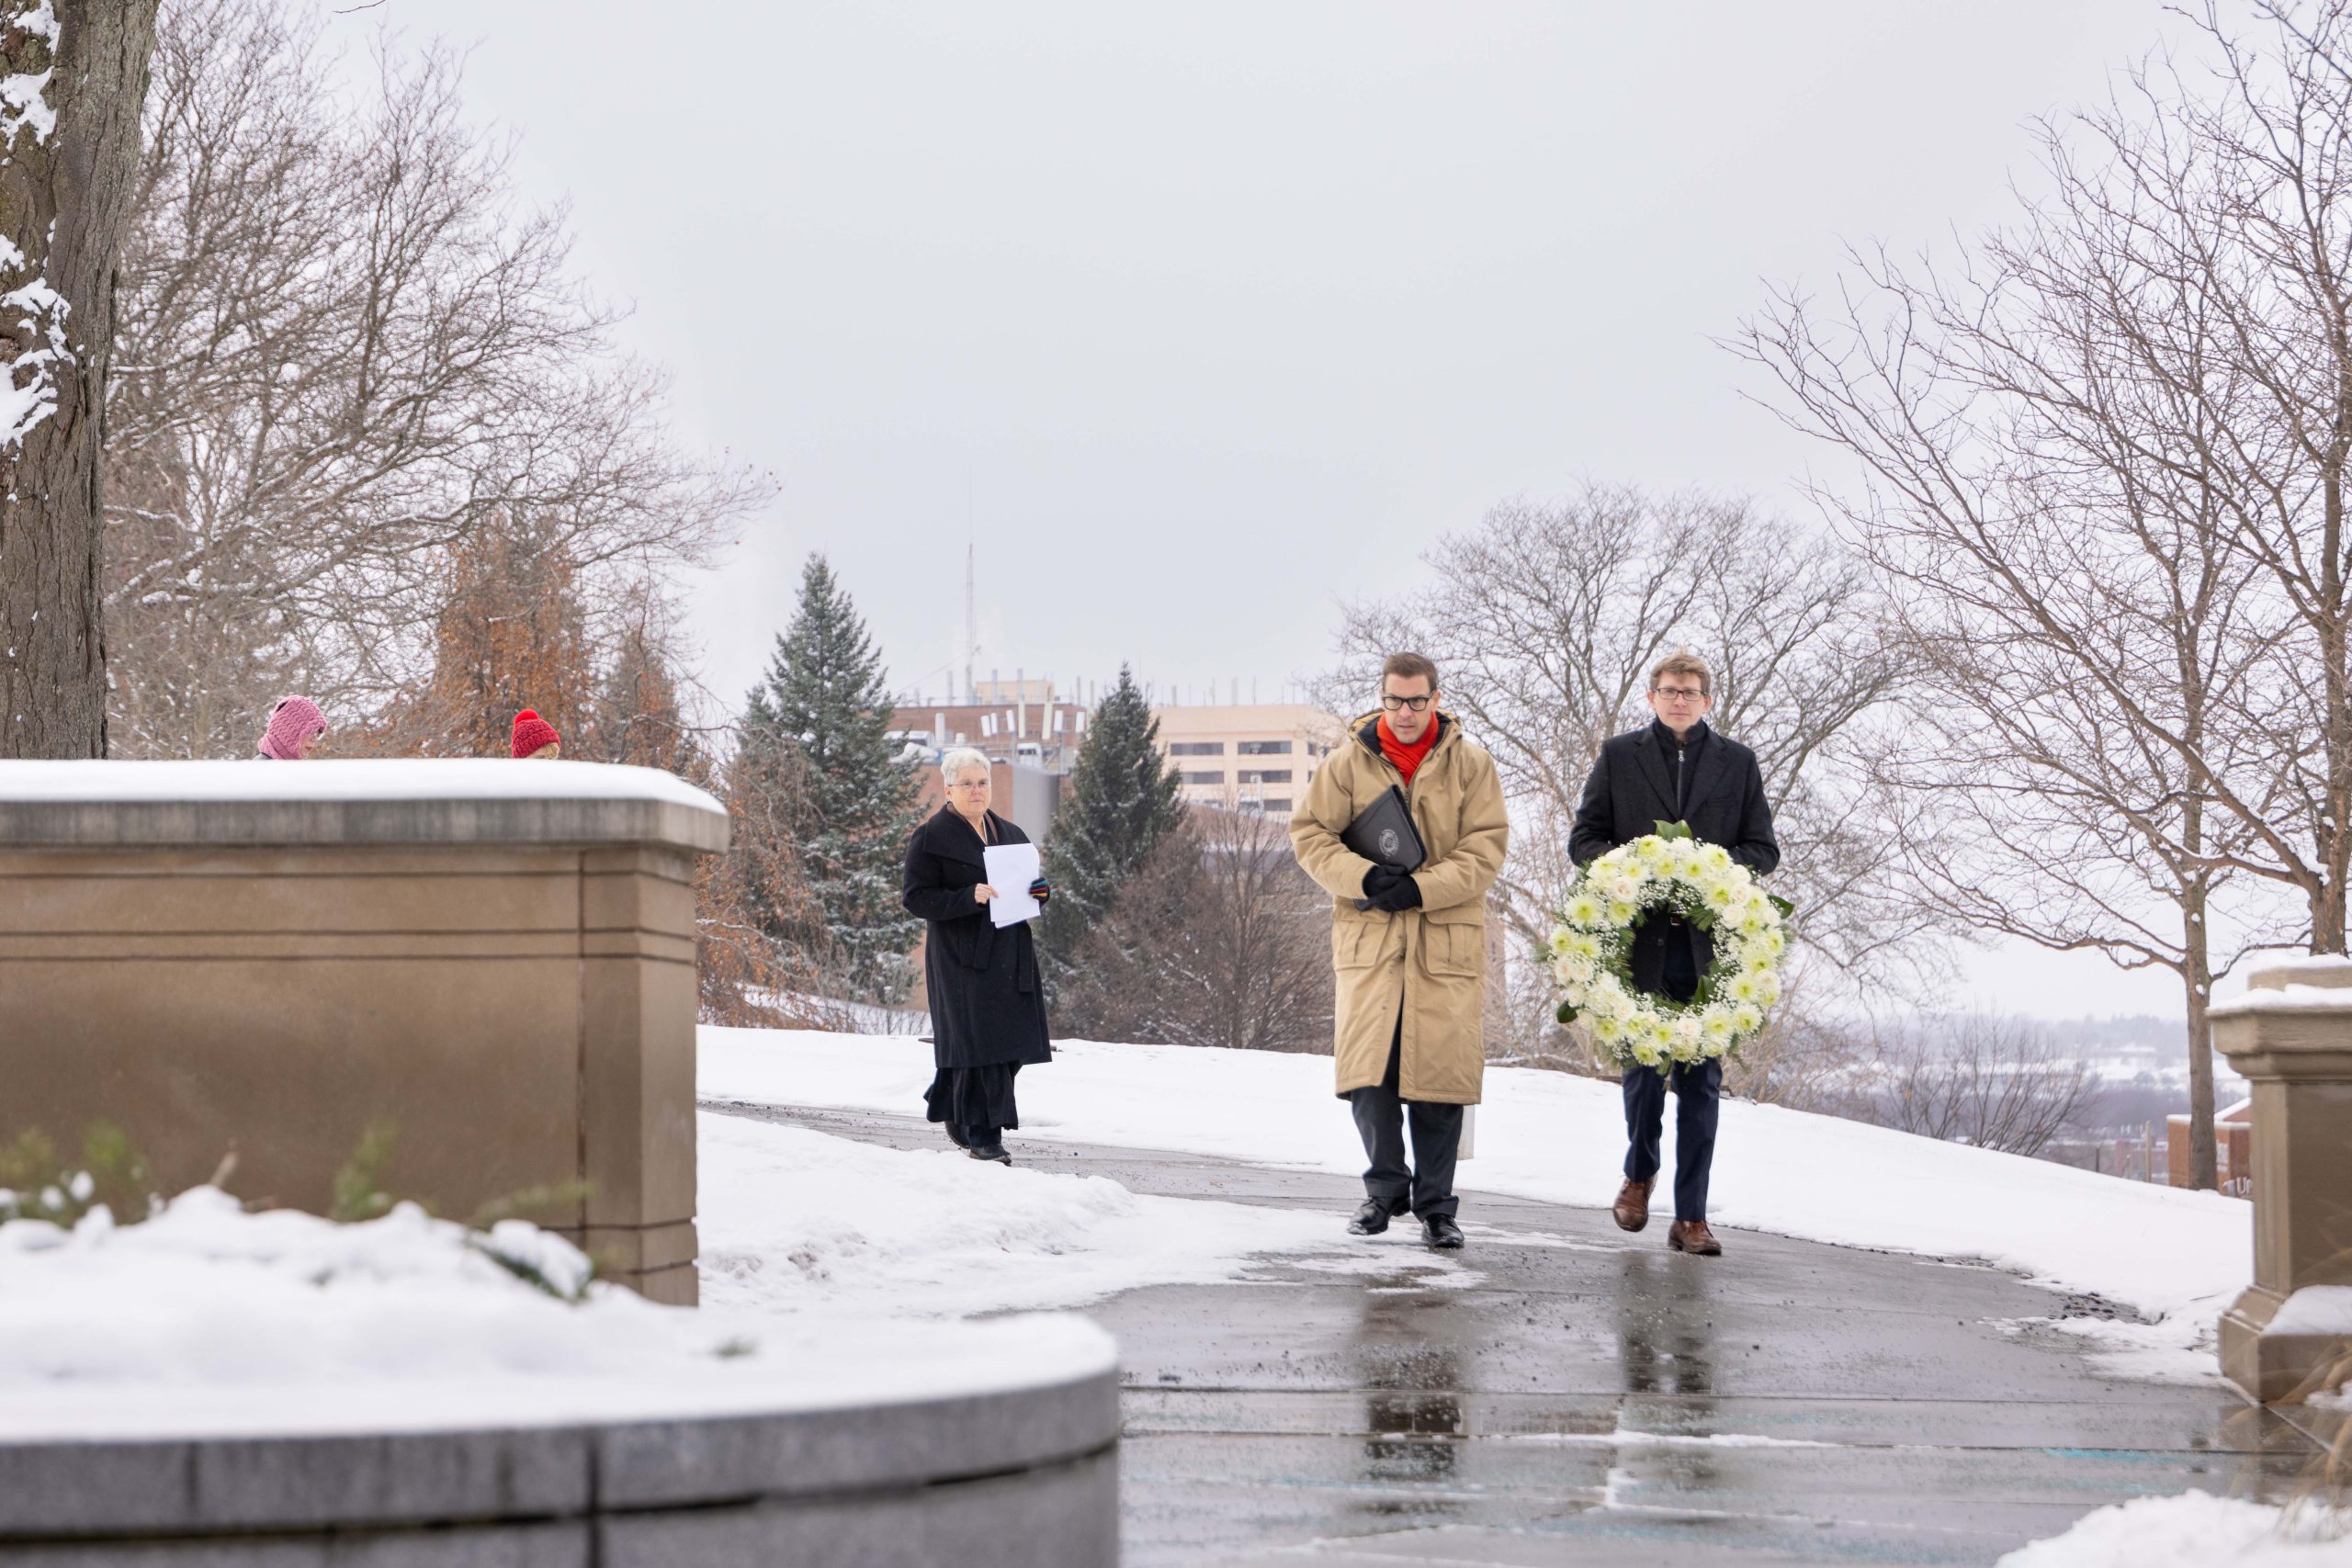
column 1693, row 1237
column 1633, row 1205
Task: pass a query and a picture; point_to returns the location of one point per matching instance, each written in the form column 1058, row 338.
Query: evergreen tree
column 1122, row 801
column 824, row 701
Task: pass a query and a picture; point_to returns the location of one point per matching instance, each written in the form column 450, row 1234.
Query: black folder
column 1384, row 833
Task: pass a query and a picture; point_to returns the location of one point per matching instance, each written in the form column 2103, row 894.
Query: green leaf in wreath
column 1786, row 907
column 1704, row 918
column 1568, row 1014
column 1675, row 830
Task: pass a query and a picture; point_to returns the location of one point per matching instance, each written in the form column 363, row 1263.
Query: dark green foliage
column 358, row 1192
column 1122, row 801
column 38, row 1183
column 824, row 705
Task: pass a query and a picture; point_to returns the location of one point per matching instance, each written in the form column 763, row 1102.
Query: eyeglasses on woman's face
column 1392, row 702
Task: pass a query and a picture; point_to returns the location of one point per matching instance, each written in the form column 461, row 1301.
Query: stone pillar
column 266, row 958
column 2290, row 1035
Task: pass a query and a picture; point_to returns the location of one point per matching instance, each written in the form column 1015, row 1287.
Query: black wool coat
column 1632, row 791
column 987, row 1006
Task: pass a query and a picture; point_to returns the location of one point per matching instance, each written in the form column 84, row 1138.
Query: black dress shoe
column 1441, row 1233
column 1373, row 1217
column 991, row 1151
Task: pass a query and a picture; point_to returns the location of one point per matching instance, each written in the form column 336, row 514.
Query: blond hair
column 1684, row 663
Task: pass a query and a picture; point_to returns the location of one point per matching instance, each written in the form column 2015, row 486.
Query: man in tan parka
column 1411, row 968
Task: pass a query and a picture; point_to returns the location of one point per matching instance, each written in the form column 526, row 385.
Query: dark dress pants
column 1698, row 1095
column 1436, row 1138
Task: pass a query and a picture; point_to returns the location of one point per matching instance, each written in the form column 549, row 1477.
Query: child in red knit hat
column 534, row 739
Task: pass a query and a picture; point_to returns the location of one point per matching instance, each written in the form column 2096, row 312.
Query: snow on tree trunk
column 75, row 73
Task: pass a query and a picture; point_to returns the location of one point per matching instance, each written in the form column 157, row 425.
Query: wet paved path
column 1572, row 1394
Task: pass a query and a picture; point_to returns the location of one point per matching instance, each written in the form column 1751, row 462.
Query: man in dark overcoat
column 1673, row 769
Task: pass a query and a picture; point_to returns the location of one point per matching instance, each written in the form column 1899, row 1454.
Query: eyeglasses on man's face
column 1679, row 693
column 1392, row 702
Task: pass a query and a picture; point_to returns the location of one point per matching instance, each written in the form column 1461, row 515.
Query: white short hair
column 953, row 764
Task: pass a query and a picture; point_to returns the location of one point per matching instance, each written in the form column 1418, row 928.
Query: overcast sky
column 1208, row 316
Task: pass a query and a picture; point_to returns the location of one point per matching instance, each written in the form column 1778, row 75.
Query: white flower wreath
column 1591, row 948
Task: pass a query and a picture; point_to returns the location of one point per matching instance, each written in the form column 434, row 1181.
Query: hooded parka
column 1429, row 962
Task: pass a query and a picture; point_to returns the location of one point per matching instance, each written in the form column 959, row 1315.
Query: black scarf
column 1681, row 760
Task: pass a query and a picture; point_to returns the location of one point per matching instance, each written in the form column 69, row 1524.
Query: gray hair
column 953, row 763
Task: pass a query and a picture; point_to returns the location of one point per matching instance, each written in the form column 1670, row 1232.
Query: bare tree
column 1544, row 621
column 1218, row 939
column 747, row 976
column 69, row 139
column 1979, row 1078
column 2092, row 495
column 346, row 347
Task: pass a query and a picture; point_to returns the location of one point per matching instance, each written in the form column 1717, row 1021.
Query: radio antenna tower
column 971, row 635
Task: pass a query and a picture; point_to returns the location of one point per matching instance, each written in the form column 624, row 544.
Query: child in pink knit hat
column 294, row 726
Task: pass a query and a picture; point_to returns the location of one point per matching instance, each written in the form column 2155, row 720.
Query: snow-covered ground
column 821, row 1256
column 2195, row 1529
column 793, row 1221
column 2176, row 1257
column 209, row 1320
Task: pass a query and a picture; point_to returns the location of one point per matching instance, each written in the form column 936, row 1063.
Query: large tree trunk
column 2197, row 979
column 69, row 124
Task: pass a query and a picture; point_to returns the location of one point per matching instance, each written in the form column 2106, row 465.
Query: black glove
column 1039, row 891
column 1379, row 880
column 1399, row 896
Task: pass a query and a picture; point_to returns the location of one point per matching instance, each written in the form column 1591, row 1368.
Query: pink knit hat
column 292, row 723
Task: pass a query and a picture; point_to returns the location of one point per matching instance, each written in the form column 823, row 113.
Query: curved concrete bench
column 1024, row 1476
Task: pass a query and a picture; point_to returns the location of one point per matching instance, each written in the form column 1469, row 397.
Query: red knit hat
column 531, row 732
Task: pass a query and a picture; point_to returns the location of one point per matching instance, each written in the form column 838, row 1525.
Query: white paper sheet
column 1012, row 868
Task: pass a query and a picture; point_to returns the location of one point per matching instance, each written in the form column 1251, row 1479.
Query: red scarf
column 1403, row 758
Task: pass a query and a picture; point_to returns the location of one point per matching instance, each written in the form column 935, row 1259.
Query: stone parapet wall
column 263, row 960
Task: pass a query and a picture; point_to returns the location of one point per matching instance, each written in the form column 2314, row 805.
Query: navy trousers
column 1437, row 1140
column 1698, row 1095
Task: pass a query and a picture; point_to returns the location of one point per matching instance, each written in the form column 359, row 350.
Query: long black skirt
column 974, row 1097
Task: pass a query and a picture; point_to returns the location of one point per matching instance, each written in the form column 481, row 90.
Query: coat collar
column 1652, row 757
column 951, row 836
column 1707, row 773
column 1712, row 761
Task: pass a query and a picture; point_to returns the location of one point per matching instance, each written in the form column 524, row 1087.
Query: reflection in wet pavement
column 1411, row 1414
column 1564, row 1394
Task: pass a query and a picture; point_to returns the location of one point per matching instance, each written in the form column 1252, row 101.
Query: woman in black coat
column 987, row 1009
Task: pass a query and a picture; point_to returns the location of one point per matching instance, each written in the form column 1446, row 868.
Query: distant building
column 1024, row 721
column 2233, row 1150
column 1248, row 756
column 1028, row 732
